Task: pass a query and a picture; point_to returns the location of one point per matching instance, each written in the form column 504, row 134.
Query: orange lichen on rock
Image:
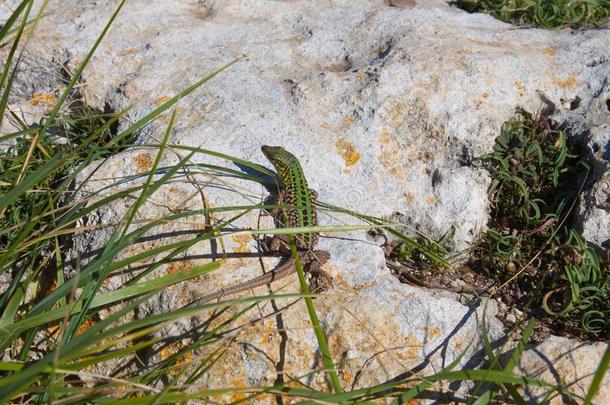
column 43, row 98
column 347, row 121
column 549, row 51
column 347, row 151
column 391, row 156
column 242, row 241
column 143, row 162
column 238, row 396
column 85, row 326
column 397, row 113
column 432, row 331
column 127, row 51
column 568, row 83
column 413, row 346
column 520, row 88
column 180, row 266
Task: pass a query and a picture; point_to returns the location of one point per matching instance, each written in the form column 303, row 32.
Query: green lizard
column 295, row 194
column 298, row 209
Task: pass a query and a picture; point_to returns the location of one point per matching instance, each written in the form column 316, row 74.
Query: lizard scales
column 295, row 194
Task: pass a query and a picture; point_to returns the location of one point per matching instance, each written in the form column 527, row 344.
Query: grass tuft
column 547, row 14
column 78, row 135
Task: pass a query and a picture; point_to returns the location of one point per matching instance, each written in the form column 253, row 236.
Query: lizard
column 298, row 209
column 282, row 270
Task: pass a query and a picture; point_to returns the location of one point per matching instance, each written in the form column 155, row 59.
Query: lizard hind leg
column 319, row 280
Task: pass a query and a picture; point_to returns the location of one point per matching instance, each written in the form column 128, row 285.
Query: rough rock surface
column 595, row 212
column 559, row 361
column 385, row 107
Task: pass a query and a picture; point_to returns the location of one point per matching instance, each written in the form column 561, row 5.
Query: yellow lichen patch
column 409, row 196
column 391, row 157
column 347, row 151
column 171, row 349
column 347, row 121
column 549, row 51
column 413, row 347
column 176, row 267
column 165, row 352
column 238, row 396
column 396, row 114
column 185, row 358
column 520, row 88
column 346, row 377
column 144, row 162
column 43, row 98
column 432, row 331
column 161, row 100
column 242, row 243
column 568, row 83
column 458, row 344
column 384, row 138
column 85, row 326
column 432, row 200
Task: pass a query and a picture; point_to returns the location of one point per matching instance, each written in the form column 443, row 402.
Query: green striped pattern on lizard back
column 295, row 194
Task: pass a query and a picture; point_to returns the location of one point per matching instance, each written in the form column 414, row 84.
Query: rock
column 595, row 212
column 567, row 362
column 386, row 104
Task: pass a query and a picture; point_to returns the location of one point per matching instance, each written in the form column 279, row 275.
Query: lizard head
column 279, row 157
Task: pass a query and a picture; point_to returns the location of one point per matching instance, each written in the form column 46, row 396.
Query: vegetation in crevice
column 543, row 13
column 532, row 247
column 79, row 135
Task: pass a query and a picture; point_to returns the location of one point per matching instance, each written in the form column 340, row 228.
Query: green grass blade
column 77, row 74
column 108, row 298
column 315, row 323
column 169, row 103
column 9, row 62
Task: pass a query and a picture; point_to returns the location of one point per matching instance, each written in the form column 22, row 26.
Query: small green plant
column 78, row 135
column 543, row 13
column 422, row 252
column 537, row 174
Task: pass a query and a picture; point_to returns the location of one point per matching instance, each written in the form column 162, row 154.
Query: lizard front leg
column 278, row 243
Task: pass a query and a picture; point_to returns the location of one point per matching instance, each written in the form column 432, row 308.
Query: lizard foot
column 273, row 245
column 319, row 280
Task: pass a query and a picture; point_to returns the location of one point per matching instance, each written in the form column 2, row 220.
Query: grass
column 547, row 14
column 51, row 331
column 537, row 175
